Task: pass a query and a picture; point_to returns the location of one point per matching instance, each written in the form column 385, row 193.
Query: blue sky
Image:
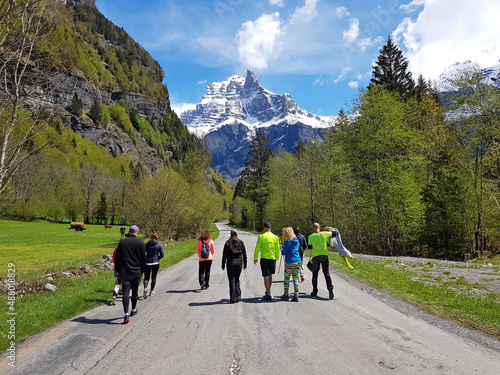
column 319, row 51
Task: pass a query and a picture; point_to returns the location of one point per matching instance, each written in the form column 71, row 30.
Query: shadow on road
column 82, row 319
column 183, row 291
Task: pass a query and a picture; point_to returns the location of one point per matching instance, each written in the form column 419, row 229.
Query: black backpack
column 205, row 252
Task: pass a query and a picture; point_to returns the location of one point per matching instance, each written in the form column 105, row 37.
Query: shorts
column 268, row 266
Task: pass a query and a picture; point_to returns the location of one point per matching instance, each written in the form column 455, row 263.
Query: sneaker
column 145, row 294
column 126, row 319
column 203, row 284
column 133, row 312
column 285, row 297
column 301, row 277
column 113, row 301
column 295, row 298
column 331, row 294
column 152, row 293
column 314, row 294
column 207, row 286
column 267, row 297
column 238, row 299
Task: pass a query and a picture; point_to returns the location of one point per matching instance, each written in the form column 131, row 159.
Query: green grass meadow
column 475, row 312
column 40, row 248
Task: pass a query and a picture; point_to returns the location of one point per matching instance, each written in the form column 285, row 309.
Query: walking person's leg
column 231, row 275
column 126, row 299
column 201, row 274
column 154, row 273
column 147, row 274
column 237, row 282
column 208, row 265
column 325, row 264
column 315, row 272
column 116, row 289
column 134, row 286
column 295, row 277
column 286, row 280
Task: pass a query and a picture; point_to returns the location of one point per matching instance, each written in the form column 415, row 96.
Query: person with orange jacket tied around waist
column 205, row 263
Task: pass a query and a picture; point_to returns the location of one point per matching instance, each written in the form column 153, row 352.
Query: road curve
column 183, row 330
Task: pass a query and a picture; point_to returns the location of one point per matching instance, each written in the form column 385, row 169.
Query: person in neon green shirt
column 268, row 245
column 317, row 241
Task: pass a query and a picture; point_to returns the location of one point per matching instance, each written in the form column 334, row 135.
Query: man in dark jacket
column 130, row 263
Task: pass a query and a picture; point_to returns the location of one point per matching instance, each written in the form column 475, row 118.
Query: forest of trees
column 399, row 174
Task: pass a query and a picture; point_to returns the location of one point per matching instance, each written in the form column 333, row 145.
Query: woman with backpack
column 154, row 252
column 235, row 256
column 205, row 250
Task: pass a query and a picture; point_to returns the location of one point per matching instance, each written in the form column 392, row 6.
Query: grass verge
column 37, row 312
column 477, row 312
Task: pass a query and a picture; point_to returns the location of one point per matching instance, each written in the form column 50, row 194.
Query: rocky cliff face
column 57, row 93
column 231, row 112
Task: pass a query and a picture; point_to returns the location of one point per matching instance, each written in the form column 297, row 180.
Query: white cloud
column 412, row 5
column 203, row 82
column 279, row 3
column 259, row 41
column 449, row 31
column 305, row 13
column 182, row 107
column 352, row 34
column 353, row 84
column 364, row 43
column 342, row 12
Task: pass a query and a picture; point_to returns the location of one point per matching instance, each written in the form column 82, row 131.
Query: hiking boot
column 152, row 293
column 113, row 301
column 203, row 284
column 145, row 294
column 126, row 319
column 133, row 312
column 331, row 294
column 238, row 299
column 314, row 294
column 285, row 297
column 295, row 298
column 267, row 297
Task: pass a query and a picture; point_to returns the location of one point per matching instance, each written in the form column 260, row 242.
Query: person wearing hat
column 234, row 256
column 268, row 246
column 130, row 264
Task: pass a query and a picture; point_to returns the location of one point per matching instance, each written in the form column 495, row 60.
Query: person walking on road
column 302, row 249
column 292, row 263
column 205, row 250
column 317, row 241
column 130, row 265
column 122, row 231
column 118, row 283
column 234, row 256
column 268, row 246
column 154, row 252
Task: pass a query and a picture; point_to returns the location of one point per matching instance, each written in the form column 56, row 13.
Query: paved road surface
column 183, row 330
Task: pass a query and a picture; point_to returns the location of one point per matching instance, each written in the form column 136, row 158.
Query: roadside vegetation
column 52, row 248
column 473, row 304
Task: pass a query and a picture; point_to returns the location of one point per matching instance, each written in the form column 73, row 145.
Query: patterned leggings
column 292, row 269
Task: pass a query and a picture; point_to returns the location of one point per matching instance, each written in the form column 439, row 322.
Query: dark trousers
column 233, row 274
column 153, row 271
column 321, row 261
column 204, row 272
column 127, row 286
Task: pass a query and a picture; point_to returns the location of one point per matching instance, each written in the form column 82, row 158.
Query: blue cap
column 267, row 224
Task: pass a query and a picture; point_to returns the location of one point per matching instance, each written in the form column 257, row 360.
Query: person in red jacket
column 205, row 263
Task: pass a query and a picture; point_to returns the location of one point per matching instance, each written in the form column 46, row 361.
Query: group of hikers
column 133, row 257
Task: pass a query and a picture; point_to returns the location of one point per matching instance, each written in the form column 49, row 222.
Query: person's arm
column 286, row 247
column 244, row 251
column 198, row 248
column 212, row 247
column 161, row 254
column 277, row 248
column 257, row 250
column 224, row 255
column 142, row 256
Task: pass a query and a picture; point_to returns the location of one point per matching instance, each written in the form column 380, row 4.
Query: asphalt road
column 183, row 330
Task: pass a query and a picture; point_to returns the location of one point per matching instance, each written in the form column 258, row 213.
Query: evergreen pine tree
column 101, row 209
column 391, row 71
column 95, row 112
column 76, row 106
column 255, row 174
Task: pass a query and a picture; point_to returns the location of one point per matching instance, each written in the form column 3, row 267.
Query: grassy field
column 28, row 248
column 477, row 312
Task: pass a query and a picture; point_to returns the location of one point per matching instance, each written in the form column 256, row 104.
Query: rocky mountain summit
column 230, row 113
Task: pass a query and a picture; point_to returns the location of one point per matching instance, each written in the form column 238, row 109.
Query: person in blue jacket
column 292, row 263
column 154, row 252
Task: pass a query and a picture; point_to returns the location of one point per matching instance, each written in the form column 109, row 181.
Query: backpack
column 205, row 251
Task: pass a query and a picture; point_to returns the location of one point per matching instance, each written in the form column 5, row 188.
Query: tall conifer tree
column 391, row 71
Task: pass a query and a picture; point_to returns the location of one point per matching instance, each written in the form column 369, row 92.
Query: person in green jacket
column 317, row 241
column 268, row 245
